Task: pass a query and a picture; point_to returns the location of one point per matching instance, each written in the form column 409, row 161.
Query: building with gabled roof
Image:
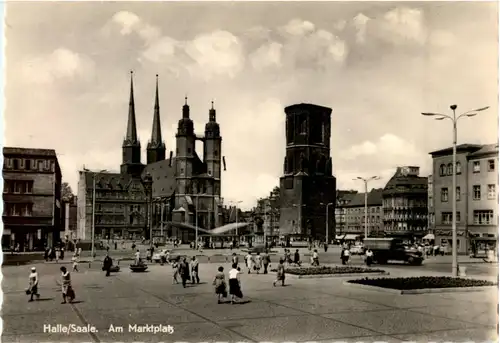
column 405, row 202
column 354, row 212
column 185, row 189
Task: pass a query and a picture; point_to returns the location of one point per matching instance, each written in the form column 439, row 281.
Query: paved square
column 304, row 310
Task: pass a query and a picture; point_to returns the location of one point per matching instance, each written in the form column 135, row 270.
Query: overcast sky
column 378, row 65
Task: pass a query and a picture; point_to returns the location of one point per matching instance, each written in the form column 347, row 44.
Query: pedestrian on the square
column 325, row 246
column 184, row 271
column 220, row 285
column 175, row 269
column 315, row 257
column 258, row 262
column 62, row 253
column 67, row 290
column 266, row 260
column 46, row 254
column 234, row 259
column 296, row 257
column 74, row 259
column 194, row 270
column 280, row 274
column 33, row 285
column 249, row 262
column 137, row 257
column 106, row 265
column 345, row 256
column 369, row 257
column 235, row 283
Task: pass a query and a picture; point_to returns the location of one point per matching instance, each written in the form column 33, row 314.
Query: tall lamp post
column 366, row 180
column 148, row 187
column 92, row 235
column 454, row 119
column 326, row 231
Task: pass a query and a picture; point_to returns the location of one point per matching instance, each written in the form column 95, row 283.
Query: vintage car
column 393, row 249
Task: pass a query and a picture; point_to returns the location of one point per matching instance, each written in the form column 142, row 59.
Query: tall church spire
column 131, row 137
column 156, row 148
column 156, row 132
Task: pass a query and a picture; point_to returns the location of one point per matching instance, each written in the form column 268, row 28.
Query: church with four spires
column 186, row 189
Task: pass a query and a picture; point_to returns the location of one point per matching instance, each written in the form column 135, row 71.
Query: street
column 305, row 310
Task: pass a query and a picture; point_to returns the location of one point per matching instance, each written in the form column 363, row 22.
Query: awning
column 429, row 236
column 339, row 236
column 351, row 237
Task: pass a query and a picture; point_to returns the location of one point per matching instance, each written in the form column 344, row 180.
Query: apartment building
column 31, row 198
column 355, row 214
column 476, row 193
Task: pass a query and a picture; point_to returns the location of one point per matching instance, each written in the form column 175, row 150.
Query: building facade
column 341, row 223
column 32, row 198
column 430, row 204
column 355, row 213
column 185, row 191
column 476, row 193
column 307, row 186
column 405, row 200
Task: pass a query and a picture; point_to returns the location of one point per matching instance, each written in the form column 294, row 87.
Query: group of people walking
column 186, row 271
column 68, row 294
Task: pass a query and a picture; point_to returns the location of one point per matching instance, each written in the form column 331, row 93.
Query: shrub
column 323, row 270
column 422, row 282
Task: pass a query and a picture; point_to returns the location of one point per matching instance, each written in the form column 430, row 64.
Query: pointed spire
column 185, row 108
column 156, row 132
column 131, row 136
column 211, row 113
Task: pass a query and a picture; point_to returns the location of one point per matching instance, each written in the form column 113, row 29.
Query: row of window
column 476, row 193
column 28, row 164
column 18, row 186
column 25, row 210
column 445, row 170
column 480, row 217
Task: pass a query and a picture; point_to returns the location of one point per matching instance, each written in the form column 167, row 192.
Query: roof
column 112, row 181
column 29, row 151
column 308, row 107
column 163, row 174
column 486, row 149
column 401, row 182
column 460, row 148
column 374, row 198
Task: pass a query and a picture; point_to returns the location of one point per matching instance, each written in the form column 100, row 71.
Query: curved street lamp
column 454, row 119
column 366, row 180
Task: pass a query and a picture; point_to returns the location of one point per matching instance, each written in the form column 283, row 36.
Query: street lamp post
column 366, row 180
column 326, row 231
column 148, row 186
column 454, row 119
column 92, row 235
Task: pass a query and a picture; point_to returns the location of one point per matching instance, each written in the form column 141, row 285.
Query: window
column 459, row 168
column 40, row 165
column 447, row 217
column 449, row 170
column 491, row 192
column 476, row 191
column 216, row 153
column 483, row 217
column 444, row 194
column 27, row 210
column 15, row 163
column 27, row 164
column 442, row 170
column 458, row 194
column 491, row 165
column 29, row 187
column 303, row 127
column 476, row 167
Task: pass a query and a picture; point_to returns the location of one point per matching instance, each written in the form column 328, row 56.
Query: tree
column 66, row 192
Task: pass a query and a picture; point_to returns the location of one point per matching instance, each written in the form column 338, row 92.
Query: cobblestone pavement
column 304, row 310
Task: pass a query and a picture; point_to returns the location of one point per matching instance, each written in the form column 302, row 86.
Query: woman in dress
column 280, row 275
column 67, row 290
column 33, row 285
column 235, row 283
column 220, row 285
column 175, row 269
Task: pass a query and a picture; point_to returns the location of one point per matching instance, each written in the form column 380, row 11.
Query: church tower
column 185, row 155
column 156, row 147
column 212, row 149
column 131, row 147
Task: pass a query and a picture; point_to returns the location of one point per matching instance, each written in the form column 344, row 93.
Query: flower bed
column 423, row 282
column 326, row 270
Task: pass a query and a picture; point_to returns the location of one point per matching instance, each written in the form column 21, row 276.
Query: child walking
column 220, row 285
